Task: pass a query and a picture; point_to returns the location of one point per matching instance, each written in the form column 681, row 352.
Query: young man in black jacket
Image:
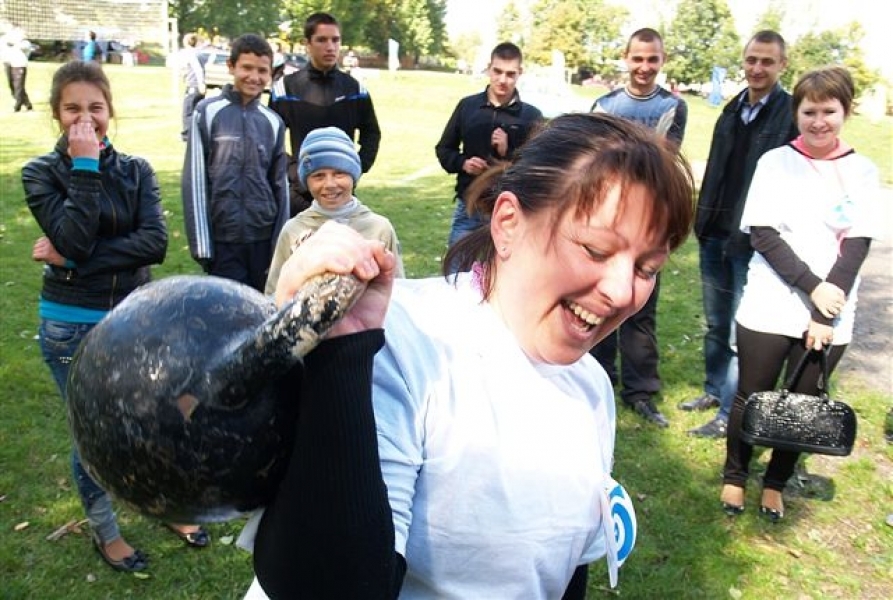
column 757, row 120
column 322, row 96
column 485, row 128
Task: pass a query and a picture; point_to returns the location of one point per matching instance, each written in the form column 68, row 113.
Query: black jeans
column 637, row 338
column 761, row 358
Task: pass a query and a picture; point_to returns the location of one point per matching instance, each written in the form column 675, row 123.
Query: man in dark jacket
column 757, row 120
column 322, row 96
column 485, row 128
column 235, row 192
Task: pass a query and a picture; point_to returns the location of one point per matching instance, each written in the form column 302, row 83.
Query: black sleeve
column 329, row 532
column 845, row 269
column 576, row 589
column 767, row 241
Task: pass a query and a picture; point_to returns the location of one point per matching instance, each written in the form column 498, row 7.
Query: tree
column 582, row 29
column 351, row 18
column 509, row 26
column 701, row 35
column 772, row 18
column 842, row 46
column 227, row 18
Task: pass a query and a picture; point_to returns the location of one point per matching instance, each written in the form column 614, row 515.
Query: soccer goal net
column 129, row 22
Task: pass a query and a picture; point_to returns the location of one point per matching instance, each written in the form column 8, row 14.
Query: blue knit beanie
column 328, row 147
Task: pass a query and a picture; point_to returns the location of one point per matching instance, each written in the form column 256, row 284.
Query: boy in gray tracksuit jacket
column 234, row 187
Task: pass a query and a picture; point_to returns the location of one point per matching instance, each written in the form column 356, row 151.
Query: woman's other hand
column 818, row 335
column 828, row 298
column 337, row 248
column 44, row 251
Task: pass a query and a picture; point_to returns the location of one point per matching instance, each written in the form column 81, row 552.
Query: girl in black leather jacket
column 101, row 217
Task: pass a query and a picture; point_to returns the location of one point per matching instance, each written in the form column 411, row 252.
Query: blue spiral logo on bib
column 623, row 516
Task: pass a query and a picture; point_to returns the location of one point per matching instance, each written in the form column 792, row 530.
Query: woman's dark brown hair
column 570, row 164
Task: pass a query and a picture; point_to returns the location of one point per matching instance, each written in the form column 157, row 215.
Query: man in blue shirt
column 644, row 101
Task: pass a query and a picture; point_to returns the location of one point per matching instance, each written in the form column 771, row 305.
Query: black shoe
column 888, row 427
column 703, row 402
column 199, row 538
column 129, row 564
column 732, row 510
column 715, row 428
column 647, row 409
column 770, row 513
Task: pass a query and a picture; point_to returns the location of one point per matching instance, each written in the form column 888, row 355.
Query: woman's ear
column 506, row 222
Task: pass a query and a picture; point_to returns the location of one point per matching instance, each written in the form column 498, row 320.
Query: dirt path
column 869, row 357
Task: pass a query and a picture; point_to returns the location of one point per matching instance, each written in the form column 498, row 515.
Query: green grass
column 832, row 544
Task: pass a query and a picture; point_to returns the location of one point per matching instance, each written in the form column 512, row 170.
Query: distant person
column 320, row 95
column 234, row 187
column 642, row 100
column 91, row 48
column 194, row 77
column 15, row 50
column 484, row 129
column 757, row 120
column 329, row 166
column 350, row 61
column 812, row 209
column 102, row 226
column 278, row 61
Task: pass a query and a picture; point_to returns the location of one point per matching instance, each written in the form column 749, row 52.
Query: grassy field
column 832, row 544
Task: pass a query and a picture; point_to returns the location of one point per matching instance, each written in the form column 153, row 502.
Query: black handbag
column 800, row 422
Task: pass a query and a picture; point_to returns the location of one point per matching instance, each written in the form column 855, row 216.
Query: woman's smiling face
column 820, row 123
column 562, row 288
column 83, row 102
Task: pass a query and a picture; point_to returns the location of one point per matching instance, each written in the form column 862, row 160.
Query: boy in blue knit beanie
column 329, row 167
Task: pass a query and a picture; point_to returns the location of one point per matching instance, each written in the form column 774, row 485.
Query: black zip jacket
column 311, row 98
column 471, row 127
column 108, row 225
column 775, row 127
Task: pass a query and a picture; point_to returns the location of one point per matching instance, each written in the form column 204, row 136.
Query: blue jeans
column 58, row 342
column 722, row 283
column 463, row 223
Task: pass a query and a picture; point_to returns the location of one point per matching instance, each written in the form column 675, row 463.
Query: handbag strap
column 798, row 370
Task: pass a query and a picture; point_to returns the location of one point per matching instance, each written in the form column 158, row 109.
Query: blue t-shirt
column 659, row 110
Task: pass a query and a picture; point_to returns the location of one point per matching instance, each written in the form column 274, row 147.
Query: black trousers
column 639, row 356
column 190, row 100
column 761, row 359
column 245, row 263
column 19, row 75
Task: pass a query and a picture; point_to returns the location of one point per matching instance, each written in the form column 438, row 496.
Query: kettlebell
column 182, row 401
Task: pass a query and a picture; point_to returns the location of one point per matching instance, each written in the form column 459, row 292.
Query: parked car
column 217, row 72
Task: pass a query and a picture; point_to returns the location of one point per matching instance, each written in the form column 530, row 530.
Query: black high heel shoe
column 773, row 515
column 732, row 510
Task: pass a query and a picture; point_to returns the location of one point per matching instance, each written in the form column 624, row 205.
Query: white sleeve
column 865, row 193
column 761, row 209
column 399, row 416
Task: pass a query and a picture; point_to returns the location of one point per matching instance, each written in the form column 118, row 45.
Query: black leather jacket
column 108, row 225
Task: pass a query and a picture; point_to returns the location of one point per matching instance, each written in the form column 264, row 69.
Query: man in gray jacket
column 757, row 120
